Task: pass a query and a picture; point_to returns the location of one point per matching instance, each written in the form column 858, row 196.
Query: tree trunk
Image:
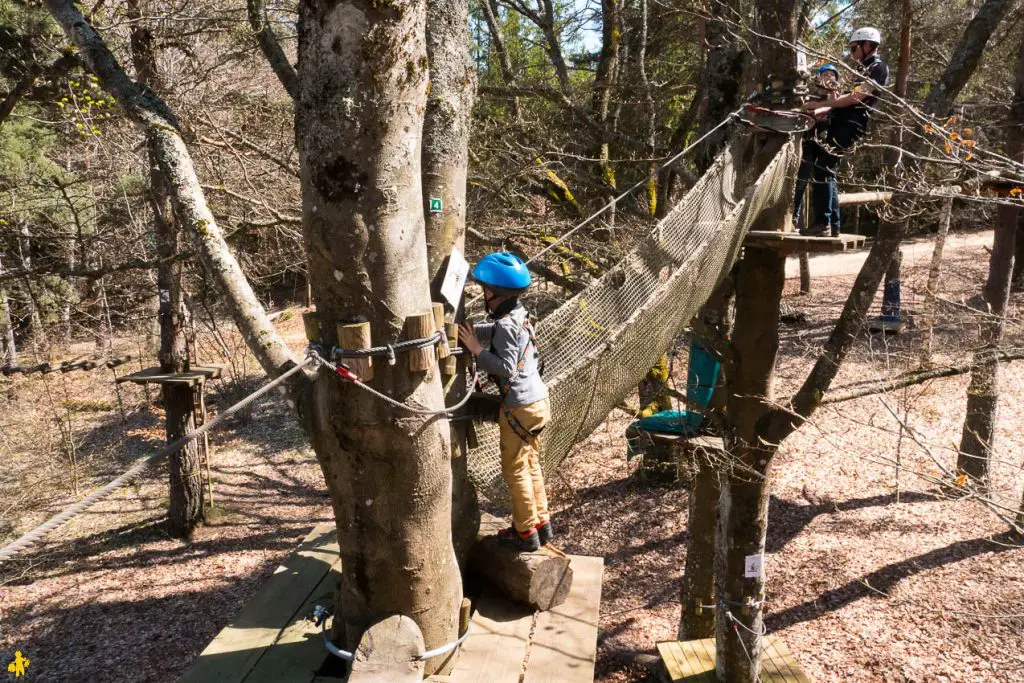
column 653, row 389
column 446, row 131
column 697, row 619
column 714, row 324
column 743, row 505
column 7, row 342
column 976, row 442
column 359, row 118
column 186, row 483
column 722, row 80
column 362, row 93
column 604, row 82
column 490, row 12
column 743, row 508
column 934, row 271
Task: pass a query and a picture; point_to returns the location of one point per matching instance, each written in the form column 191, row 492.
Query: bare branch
column 264, row 34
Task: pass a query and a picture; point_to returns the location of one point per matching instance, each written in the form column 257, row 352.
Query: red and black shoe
column 523, row 541
column 545, row 532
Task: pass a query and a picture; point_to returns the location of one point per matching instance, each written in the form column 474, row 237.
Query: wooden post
column 449, row 366
column 418, row 327
column 357, row 336
column 805, row 273
column 311, row 321
column 443, row 351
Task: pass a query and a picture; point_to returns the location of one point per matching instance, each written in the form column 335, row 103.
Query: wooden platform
column 789, row 242
column 693, row 661
column 271, row 639
column 197, row 375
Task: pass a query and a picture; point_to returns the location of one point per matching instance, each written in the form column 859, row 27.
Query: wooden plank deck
column 272, row 614
column 793, row 241
column 693, row 661
column 271, row 639
column 497, row 643
column 564, row 647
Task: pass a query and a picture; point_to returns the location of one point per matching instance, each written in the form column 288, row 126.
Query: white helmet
column 866, row 33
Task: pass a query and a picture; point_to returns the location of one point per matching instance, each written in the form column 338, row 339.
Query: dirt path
column 916, row 252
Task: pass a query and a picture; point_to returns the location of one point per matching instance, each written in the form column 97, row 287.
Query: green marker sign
column 435, row 205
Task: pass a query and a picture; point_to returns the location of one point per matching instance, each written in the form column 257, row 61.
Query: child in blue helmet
column 817, row 166
column 513, row 362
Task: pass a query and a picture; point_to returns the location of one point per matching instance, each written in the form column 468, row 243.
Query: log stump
column 540, row 579
column 387, row 652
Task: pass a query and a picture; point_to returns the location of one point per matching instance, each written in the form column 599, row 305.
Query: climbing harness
column 12, row 549
column 322, row 612
column 346, row 374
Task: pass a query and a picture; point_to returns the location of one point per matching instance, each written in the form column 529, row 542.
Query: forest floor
column 872, row 573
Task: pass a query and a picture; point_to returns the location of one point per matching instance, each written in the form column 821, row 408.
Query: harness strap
column 521, row 431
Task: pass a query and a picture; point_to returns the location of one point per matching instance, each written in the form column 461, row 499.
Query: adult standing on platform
column 847, row 121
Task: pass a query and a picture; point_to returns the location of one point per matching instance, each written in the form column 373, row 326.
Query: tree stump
column 540, row 579
column 387, row 653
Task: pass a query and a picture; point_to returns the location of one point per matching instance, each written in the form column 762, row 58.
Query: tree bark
column 722, row 79
column 362, row 92
column 186, row 484
column 977, row 439
column 698, row 586
column 10, row 349
column 446, row 132
column 934, row 271
column 541, row 579
column 604, row 83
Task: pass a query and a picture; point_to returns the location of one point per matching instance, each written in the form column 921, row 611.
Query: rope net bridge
column 598, row 345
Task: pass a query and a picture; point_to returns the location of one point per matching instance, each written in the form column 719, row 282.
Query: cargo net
column 598, row 345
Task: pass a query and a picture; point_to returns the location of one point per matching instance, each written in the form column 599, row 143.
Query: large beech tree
column 360, row 93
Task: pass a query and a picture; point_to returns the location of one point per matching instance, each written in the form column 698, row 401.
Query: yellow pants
column 520, row 464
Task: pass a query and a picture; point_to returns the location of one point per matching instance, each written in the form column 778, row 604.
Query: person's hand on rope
column 467, row 335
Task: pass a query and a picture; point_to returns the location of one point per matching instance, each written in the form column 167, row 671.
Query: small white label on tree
column 753, row 566
column 454, row 277
column 435, row 205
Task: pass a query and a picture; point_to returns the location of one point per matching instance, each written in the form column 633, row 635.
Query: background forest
column 576, row 102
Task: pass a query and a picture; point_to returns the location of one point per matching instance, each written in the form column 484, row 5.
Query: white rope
column 416, row 410
column 14, row 548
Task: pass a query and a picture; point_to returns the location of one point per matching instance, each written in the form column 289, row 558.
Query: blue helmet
column 502, row 272
column 828, row 67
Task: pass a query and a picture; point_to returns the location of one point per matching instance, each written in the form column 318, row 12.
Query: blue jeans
column 818, row 167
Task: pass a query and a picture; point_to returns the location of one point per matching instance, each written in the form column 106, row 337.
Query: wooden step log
column 540, row 579
column 387, row 653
